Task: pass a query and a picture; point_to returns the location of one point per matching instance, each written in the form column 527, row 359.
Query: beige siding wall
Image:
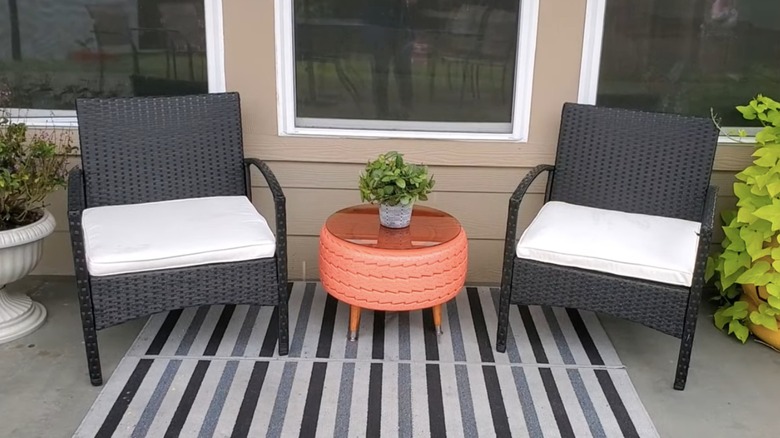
column 319, row 175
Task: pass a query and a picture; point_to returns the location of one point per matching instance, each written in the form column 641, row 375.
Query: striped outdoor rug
column 213, row 371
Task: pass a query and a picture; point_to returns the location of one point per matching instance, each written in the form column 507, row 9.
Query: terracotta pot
column 754, row 296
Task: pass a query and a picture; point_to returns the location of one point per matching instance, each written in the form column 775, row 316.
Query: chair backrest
column 146, row 149
column 110, row 26
column 187, row 24
column 634, row 161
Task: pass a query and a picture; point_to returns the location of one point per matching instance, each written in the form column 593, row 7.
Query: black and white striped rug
column 213, row 371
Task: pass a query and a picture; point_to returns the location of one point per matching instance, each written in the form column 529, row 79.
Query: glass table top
column 360, row 225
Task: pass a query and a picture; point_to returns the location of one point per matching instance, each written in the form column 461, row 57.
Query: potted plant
column 747, row 269
column 31, row 167
column 395, row 185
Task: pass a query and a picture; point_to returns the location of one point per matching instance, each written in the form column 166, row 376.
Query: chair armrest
column 76, row 206
column 76, row 198
column 511, row 220
column 708, row 214
column 705, row 239
column 279, row 206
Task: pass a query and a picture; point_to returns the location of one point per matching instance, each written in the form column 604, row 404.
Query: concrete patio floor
column 733, row 389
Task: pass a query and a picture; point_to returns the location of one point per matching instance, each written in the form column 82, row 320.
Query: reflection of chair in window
column 497, row 47
column 456, row 45
column 327, row 42
column 115, row 37
column 186, row 33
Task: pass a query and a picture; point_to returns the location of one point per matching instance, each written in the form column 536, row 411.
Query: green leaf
column 709, row 268
column 720, row 319
column 764, row 136
column 756, row 274
column 727, row 216
column 773, row 188
column 774, row 302
column 733, row 262
column 752, row 172
column 736, row 242
column 754, row 242
column 773, row 289
column 767, row 309
column 759, row 190
column 770, row 213
column 746, row 216
column 732, row 292
column 739, row 330
column 400, row 183
column 763, row 320
column 738, row 310
column 748, row 112
column 728, row 281
column 773, row 117
column 767, row 156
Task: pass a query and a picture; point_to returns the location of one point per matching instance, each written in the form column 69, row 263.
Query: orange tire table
column 369, row 266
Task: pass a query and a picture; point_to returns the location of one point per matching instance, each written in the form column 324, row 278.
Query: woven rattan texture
column 655, row 305
column 247, row 282
column 396, row 280
column 126, row 161
column 634, row 161
column 605, row 169
column 146, row 149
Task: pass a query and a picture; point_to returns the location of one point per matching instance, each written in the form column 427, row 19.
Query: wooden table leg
column 437, row 319
column 354, row 322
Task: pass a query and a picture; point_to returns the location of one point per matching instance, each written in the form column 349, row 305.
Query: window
column 53, row 51
column 681, row 56
column 406, row 68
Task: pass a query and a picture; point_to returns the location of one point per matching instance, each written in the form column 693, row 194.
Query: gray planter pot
column 395, row 216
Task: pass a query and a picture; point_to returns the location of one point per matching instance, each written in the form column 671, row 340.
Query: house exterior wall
column 474, row 179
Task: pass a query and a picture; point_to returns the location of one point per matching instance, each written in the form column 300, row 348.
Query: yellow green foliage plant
column 750, row 253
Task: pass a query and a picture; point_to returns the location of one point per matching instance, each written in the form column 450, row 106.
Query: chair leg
column 686, row 345
column 90, row 333
column 503, row 319
column 284, row 344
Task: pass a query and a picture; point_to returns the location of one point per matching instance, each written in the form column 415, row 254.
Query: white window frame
column 215, row 68
column 521, row 108
column 592, row 39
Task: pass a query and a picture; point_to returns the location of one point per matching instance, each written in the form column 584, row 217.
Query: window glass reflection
column 52, row 51
column 406, row 60
column 690, row 56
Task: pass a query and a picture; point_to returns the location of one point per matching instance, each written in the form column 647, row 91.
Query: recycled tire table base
column 378, row 278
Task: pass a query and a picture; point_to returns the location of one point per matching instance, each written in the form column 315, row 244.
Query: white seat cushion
column 653, row 248
column 119, row 239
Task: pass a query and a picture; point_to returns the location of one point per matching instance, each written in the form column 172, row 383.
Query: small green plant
column 31, row 167
column 751, row 246
column 389, row 180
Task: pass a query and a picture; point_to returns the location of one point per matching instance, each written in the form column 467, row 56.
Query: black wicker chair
column 620, row 161
column 151, row 149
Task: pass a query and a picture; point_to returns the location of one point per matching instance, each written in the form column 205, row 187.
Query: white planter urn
column 20, row 251
column 395, row 216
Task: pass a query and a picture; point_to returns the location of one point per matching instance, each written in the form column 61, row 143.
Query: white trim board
column 592, row 39
column 215, row 60
column 521, row 109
